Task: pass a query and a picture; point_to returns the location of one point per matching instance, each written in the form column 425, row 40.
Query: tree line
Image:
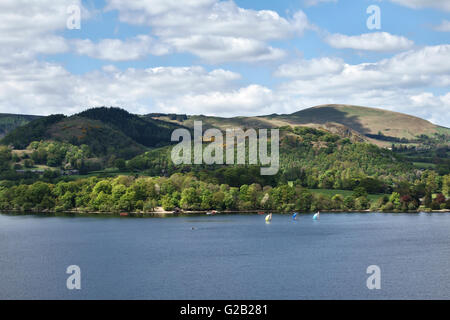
column 185, row 191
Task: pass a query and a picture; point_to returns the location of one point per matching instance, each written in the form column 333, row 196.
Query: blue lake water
column 226, row 257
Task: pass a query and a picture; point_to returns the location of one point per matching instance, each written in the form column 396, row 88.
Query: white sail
column 269, row 217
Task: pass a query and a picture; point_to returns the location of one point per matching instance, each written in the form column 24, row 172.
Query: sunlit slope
column 346, row 120
column 367, row 120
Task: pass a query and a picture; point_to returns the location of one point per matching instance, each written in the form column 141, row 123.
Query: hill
column 367, row 121
column 146, row 131
column 378, row 126
column 113, row 133
column 102, row 139
column 315, row 157
column 323, row 147
column 107, row 131
column 419, row 141
column 9, row 122
column 35, row 130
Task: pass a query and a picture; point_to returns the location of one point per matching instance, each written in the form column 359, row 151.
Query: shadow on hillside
column 323, row 115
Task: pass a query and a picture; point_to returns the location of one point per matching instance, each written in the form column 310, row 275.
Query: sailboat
column 294, row 216
column 269, row 217
column 316, row 216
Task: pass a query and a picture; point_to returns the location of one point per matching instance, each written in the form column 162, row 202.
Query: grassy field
column 332, row 192
column 424, row 165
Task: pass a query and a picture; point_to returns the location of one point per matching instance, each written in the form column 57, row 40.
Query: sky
column 225, row 58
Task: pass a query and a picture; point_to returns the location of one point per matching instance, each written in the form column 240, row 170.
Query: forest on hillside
column 65, row 163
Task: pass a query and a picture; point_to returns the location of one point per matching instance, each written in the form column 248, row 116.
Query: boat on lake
column 269, row 217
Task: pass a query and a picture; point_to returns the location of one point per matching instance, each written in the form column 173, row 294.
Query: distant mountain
column 113, row 133
column 378, row 126
column 116, row 131
column 9, row 122
column 367, row 121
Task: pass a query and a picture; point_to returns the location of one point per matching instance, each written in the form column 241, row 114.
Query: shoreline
column 163, row 213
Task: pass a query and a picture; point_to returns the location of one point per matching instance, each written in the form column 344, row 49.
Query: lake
column 226, row 256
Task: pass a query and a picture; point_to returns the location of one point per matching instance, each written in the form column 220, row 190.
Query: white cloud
column 214, row 30
column 221, row 49
column 39, row 87
column 402, row 83
column 418, row 4
column 376, row 41
column 208, row 17
column 28, row 28
column 310, row 68
column 250, row 100
column 431, row 61
column 311, row 3
column 117, row 50
column 404, row 70
column 443, row 27
column 393, row 83
column 434, row 108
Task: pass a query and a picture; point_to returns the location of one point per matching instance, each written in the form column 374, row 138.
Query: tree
column 39, row 193
column 168, row 202
column 349, row 202
column 338, row 201
column 15, row 158
column 189, row 199
column 428, row 199
column 231, row 198
column 446, row 185
column 150, row 205
column 28, row 163
column 440, row 198
column 120, row 164
column 359, row 192
column 127, row 201
column 103, row 186
column 395, row 200
column 362, row 203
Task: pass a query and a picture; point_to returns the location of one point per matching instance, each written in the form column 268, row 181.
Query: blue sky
column 225, row 58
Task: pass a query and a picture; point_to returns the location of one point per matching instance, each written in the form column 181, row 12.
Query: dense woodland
column 185, row 191
column 123, row 165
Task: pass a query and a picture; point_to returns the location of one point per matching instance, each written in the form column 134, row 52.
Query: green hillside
column 315, row 158
column 415, row 139
column 102, row 139
column 107, row 131
column 9, row 122
column 378, row 126
column 145, row 131
column 35, row 130
column 320, row 149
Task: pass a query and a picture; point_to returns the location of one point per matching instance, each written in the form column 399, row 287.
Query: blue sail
column 294, row 216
